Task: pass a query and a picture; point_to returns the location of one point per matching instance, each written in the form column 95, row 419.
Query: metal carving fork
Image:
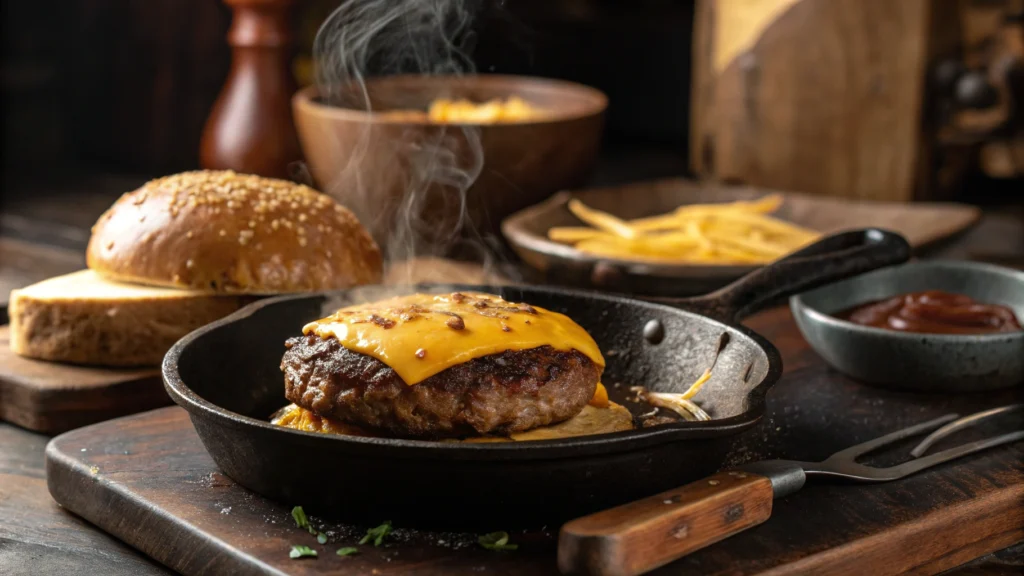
column 640, row 536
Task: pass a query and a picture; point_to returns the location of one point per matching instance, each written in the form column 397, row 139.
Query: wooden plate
column 526, row 231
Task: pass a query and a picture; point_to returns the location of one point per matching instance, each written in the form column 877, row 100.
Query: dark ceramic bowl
column 926, row 362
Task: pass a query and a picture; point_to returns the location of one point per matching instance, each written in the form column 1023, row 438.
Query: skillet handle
column 828, row 260
column 643, row 535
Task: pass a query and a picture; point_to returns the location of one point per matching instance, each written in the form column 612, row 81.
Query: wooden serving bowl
column 370, row 161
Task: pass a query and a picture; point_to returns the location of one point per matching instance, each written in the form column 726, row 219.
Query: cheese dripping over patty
column 420, row 335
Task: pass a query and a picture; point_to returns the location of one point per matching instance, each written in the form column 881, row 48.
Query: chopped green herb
column 301, row 521
column 321, row 538
column 300, row 517
column 496, row 541
column 377, row 534
column 347, row 551
column 301, row 552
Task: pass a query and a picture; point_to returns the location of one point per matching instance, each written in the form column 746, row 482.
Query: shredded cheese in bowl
column 514, row 109
column 462, row 111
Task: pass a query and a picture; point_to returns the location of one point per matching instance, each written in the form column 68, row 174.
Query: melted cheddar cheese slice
column 420, row 335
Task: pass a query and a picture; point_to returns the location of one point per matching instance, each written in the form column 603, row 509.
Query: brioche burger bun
column 223, row 232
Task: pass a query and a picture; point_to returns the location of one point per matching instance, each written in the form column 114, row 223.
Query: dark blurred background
column 120, row 89
column 101, row 85
column 124, row 86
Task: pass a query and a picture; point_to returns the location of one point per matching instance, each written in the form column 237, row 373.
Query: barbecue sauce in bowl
column 933, row 312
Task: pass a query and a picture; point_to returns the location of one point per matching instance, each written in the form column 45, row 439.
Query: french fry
column 610, row 248
column 730, row 255
column 765, row 205
column 601, row 220
column 748, row 244
column 770, row 225
column 693, row 228
column 672, row 239
column 661, row 249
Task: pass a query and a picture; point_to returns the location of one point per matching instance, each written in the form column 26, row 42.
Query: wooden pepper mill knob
column 250, row 128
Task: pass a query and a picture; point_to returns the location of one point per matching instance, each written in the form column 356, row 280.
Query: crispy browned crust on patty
column 497, row 394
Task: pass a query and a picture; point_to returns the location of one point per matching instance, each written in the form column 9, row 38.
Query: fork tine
column 912, row 466
column 958, row 425
column 853, row 452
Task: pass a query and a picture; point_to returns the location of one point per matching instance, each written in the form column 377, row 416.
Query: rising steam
column 432, row 167
column 385, row 37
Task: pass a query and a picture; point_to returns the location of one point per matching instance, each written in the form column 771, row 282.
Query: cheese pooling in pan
column 420, row 335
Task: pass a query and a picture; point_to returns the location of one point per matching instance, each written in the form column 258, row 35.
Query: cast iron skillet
column 227, row 376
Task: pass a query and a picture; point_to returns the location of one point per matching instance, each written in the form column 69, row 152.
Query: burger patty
column 497, row 394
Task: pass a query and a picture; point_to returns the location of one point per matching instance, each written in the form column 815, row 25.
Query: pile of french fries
column 497, row 111
column 733, row 233
column 514, row 109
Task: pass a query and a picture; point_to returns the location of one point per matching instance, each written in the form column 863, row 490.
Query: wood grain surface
column 148, row 480
column 52, row 397
column 817, row 96
column 639, row 536
column 39, row 537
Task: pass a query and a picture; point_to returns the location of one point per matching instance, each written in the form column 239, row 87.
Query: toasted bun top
column 225, row 232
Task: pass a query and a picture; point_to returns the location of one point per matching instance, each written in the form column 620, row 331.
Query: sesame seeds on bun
column 233, row 233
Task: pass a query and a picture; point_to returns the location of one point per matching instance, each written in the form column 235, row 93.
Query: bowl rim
column 801, row 307
column 543, row 254
column 608, row 443
column 304, row 99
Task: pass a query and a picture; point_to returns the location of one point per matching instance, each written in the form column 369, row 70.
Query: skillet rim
column 601, row 444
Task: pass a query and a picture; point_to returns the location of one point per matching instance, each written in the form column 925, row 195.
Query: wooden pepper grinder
column 250, row 128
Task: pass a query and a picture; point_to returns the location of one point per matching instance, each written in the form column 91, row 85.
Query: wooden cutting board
column 47, row 396
column 52, row 398
column 147, row 480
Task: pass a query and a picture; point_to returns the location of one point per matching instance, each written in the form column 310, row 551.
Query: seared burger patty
column 496, row 394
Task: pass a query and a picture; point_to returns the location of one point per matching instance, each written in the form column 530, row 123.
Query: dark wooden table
column 44, row 233
column 36, row 535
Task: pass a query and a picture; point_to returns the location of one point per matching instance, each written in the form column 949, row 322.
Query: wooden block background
column 819, row 96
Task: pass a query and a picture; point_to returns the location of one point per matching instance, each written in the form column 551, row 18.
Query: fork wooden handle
column 643, row 535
